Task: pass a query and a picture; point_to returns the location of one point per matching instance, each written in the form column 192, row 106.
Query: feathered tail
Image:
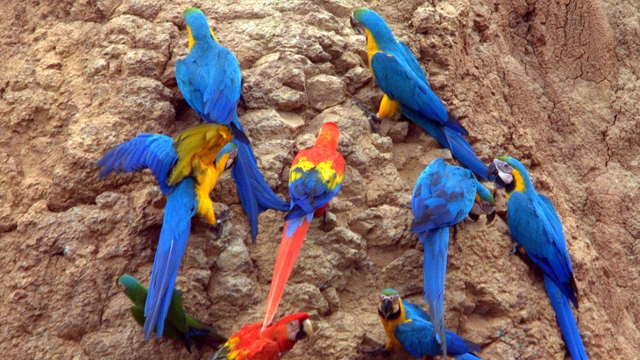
column 290, row 245
column 436, row 242
column 452, row 140
column 255, row 194
column 566, row 320
column 181, row 206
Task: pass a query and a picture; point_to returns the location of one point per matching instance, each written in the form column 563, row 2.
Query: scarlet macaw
column 209, row 79
column 409, row 327
column 406, row 89
column 178, row 324
column 315, row 178
column 443, row 196
column 158, row 153
column 536, row 226
column 253, row 343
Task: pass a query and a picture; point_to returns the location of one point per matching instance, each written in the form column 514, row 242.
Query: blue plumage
column 443, row 196
column 536, row 226
column 156, row 152
column 415, row 336
column 209, row 79
column 176, row 225
column 145, row 151
column 399, row 75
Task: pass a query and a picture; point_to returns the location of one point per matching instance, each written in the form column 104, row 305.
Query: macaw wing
column 411, row 60
column 192, row 81
column 414, row 311
column 399, row 82
column 443, row 196
column 416, row 337
column 202, row 141
column 312, row 189
column 223, row 90
column 180, row 208
column 145, row 151
column 544, row 244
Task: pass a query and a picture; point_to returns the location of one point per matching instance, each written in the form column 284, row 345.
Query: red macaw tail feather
column 290, row 245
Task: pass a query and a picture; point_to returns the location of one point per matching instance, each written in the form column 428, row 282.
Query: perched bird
column 536, row 226
column 315, row 178
column 158, row 153
column 210, row 81
column 409, row 327
column 178, row 325
column 443, row 196
column 406, row 89
column 253, row 343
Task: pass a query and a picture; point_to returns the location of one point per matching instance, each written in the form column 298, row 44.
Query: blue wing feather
column 180, row 208
column 416, row 336
column 443, row 196
column 309, row 193
column 544, row 242
column 145, row 151
column 399, row 81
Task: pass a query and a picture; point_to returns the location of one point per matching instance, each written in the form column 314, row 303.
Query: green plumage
column 178, row 324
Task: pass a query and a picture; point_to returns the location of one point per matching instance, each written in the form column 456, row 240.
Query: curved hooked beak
column 495, row 174
column 356, row 25
column 306, row 330
column 491, row 216
column 386, row 308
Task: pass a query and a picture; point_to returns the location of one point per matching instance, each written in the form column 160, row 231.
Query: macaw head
column 509, row 173
column 389, row 307
column 198, row 27
column 328, row 136
column 133, row 289
column 368, row 21
column 298, row 326
column 228, row 154
column 483, row 204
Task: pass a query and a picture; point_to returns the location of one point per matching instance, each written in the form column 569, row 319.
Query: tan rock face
column 553, row 83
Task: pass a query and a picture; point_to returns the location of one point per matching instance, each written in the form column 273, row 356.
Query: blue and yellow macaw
column 210, row 81
column 409, row 327
column 178, row 324
column 536, row 227
column 406, row 89
column 187, row 195
column 315, row 178
column 443, row 196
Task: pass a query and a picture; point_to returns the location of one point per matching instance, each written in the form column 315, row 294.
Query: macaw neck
column 327, row 141
column 521, row 183
column 390, row 325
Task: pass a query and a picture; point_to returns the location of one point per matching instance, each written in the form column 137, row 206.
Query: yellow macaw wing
column 201, row 142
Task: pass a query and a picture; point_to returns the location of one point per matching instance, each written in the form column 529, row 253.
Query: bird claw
column 373, row 352
column 518, row 249
column 374, row 120
column 222, row 217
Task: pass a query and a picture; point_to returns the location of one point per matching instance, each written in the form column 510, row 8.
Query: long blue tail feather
column 436, row 243
column 566, row 320
column 454, row 141
column 181, row 206
column 255, row 194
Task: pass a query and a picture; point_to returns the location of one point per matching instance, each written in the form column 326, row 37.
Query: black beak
column 491, row 217
column 356, row 25
column 493, row 175
column 387, row 308
column 301, row 334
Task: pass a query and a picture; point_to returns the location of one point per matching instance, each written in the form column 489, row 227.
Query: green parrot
column 178, row 324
